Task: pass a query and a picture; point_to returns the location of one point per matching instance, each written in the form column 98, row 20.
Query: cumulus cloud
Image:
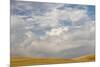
column 48, row 30
column 57, row 31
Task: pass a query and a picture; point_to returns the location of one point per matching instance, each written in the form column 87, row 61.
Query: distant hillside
column 85, row 58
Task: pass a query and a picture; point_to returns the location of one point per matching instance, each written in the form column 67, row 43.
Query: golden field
column 17, row 61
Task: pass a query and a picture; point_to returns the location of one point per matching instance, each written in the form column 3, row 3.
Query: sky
column 41, row 29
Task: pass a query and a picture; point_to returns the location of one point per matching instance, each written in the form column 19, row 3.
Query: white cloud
column 57, row 31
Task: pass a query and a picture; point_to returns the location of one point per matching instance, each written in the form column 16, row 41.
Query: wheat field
column 17, row 61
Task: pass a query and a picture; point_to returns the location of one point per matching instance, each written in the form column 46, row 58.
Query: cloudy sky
column 40, row 29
